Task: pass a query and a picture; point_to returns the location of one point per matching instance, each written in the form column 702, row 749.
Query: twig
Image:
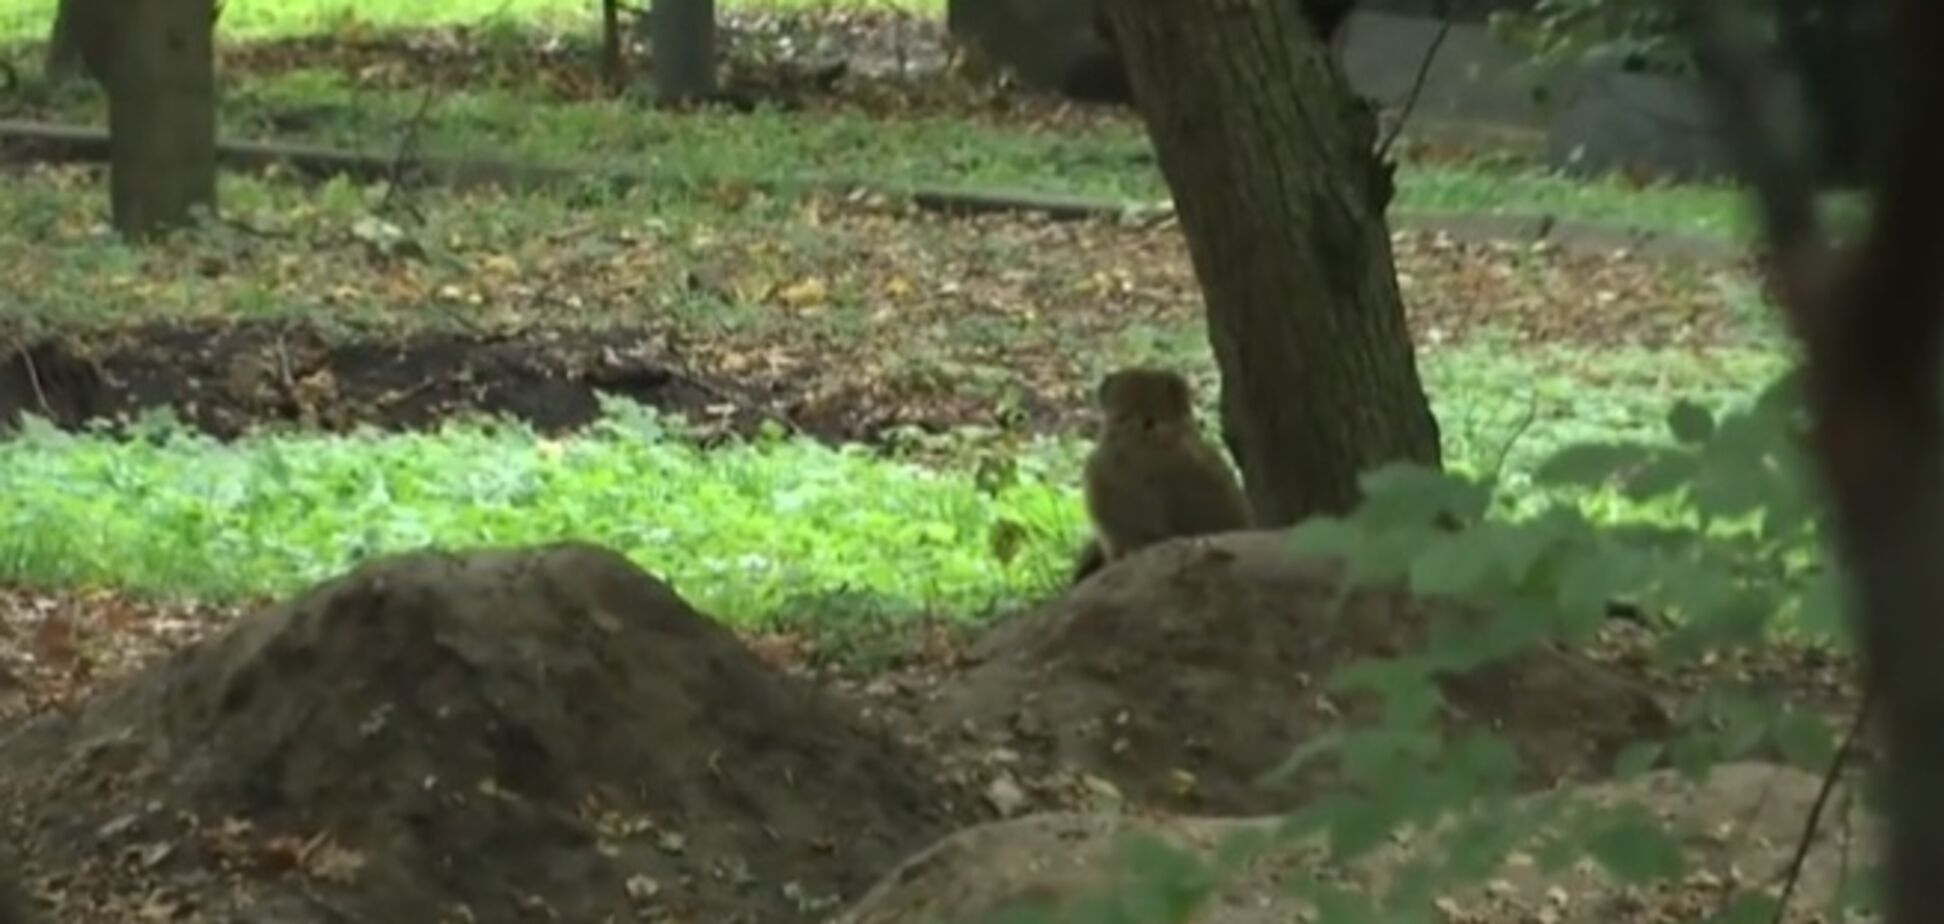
column 1810, row 825
column 34, row 381
column 1417, row 88
column 1518, row 433
column 407, row 148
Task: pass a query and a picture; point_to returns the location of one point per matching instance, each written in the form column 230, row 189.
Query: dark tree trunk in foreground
column 161, row 113
column 1871, row 321
column 684, row 47
column 1270, row 160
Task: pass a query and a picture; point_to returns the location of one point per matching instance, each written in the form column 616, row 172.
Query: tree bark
column 161, row 113
column 76, row 46
column 611, row 69
column 1270, row 159
column 684, row 50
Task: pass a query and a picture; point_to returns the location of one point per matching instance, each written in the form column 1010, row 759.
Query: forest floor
column 322, row 307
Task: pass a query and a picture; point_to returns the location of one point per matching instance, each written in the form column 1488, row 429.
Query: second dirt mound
column 506, row 735
column 1189, row 670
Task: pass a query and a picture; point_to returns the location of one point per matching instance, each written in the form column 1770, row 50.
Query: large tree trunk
column 161, row 113
column 1270, row 160
column 684, row 49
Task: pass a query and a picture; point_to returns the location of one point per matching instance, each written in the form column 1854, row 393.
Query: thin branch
column 1417, row 88
column 34, row 381
column 1813, row 824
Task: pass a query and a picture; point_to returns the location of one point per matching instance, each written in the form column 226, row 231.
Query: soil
column 1184, row 674
column 226, row 378
column 509, row 735
column 1741, row 824
column 504, row 735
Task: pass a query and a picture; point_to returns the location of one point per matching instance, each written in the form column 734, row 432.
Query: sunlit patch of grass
column 768, row 531
column 744, row 532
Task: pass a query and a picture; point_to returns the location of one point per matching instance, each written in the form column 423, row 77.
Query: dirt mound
column 1743, row 821
column 1184, row 673
column 505, row 735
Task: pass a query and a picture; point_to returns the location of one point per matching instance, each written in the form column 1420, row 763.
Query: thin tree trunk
column 684, row 46
column 611, row 44
column 1282, row 199
column 161, row 113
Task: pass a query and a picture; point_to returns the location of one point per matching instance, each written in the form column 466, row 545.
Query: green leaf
column 1518, row 547
column 1324, row 537
column 1587, row 584
column 1404, row 494
column 1589, row 465
column 1690, row 422
column 1453, row 566
column 1725, row 492
column 1635, row 849
column 1823, row 609
column 1664, row 475
column 1638, row 758
column 1805, row 740
column 1167, row 884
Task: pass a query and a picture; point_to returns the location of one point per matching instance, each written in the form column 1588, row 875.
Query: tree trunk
column 1282, row 199
column 161, row 113
column 684, row 46
column 76, row 47
column 611, row 70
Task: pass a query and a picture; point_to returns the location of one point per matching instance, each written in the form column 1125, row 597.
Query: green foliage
column 1730, row 555
column 751, row 533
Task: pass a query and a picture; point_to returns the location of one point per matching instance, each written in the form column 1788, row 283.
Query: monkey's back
column 1144, row 488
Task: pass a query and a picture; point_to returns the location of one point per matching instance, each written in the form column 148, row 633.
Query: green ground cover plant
column 497, row 108
column 763, row 532
column 746, row 532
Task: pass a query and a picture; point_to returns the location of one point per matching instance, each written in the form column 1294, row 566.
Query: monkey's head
column 1145, row 399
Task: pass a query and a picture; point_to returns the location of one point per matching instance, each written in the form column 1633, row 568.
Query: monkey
column 1151, row 475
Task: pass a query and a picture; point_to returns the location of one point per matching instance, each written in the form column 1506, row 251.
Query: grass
column 763, row 533
column 28, row 20
column 515, row 116
column 1110, row 161
column 750, row 533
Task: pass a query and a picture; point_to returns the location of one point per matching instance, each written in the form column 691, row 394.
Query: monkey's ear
column 1108, row 385
column 1181, row 393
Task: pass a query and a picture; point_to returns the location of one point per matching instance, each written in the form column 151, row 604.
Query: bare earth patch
column 1742, row 820
column 882, row 318
column 495, row 734
column 551, row 729
column 1184, row 675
